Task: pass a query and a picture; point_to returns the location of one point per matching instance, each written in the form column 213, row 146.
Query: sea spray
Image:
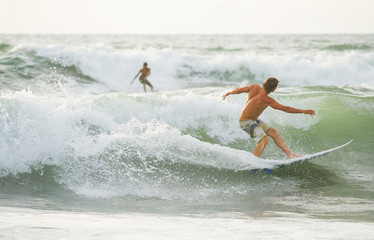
column 75, row 135
column 121, row 142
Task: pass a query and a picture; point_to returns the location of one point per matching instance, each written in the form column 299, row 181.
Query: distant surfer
column 258, row 100
column 145, row 72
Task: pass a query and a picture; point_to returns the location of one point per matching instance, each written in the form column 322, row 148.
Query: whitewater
column 79, row 142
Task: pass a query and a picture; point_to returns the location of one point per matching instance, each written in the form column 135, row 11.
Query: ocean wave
column 138, row 144
column 348, row 47
column 80, row 126
column 172, row 70
column 4, row 47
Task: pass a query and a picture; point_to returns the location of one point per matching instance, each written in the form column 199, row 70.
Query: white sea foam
column 98, row 143
column 115, row 68
column 175, row 70
column 108, row 144
column 41, row 127
column 35, row 224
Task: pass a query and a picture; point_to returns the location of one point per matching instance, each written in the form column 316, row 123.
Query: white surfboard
column 284, row 163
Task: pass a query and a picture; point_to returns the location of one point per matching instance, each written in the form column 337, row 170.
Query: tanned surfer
column 145, row 72
column 258, row 100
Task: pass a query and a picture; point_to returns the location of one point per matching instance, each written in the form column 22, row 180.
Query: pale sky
column 186, row 16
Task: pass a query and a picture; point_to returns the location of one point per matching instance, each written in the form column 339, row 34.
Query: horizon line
column 134, row 34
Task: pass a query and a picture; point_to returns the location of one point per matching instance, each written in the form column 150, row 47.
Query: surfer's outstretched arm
column 135, row 77
column 237, row 91
column 274, row 104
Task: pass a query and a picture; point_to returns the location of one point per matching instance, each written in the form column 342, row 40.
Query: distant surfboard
column 285, row 163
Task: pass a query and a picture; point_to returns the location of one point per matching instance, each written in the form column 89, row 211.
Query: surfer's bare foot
column 293, row 155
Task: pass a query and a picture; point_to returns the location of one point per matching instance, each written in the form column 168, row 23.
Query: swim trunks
column 145, row 81
column 257, row 129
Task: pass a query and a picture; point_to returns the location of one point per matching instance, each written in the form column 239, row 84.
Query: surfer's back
column 257, row 102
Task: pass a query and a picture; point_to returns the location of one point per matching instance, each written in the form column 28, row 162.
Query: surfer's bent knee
column 272, row 132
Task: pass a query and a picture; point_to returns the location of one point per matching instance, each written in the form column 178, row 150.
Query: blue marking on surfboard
column 269, row 171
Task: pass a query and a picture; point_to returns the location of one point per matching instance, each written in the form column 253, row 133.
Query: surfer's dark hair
column 145, row 64
column 270, row 84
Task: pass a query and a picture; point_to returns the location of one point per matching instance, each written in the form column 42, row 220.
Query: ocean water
column 86, row 155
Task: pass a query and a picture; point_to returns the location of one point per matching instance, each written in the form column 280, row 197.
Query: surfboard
column 285, row 163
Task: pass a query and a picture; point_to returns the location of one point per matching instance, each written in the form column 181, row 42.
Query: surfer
column 258, row 100
column 145, row 72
